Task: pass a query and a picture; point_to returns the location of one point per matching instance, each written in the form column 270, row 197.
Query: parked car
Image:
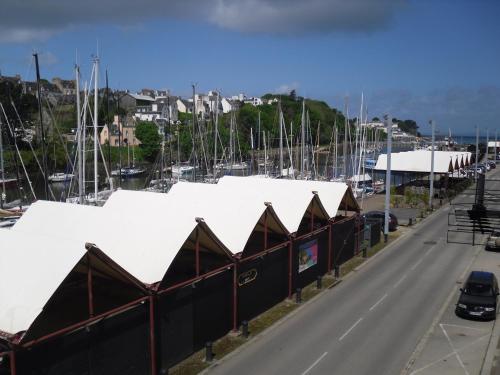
column 393, row 220
column 478, row 297
column 492, row 164
column 493, row 241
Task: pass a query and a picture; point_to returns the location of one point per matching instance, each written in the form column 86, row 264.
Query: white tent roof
column 231, row 216
column 32, row 268
column 143, row 242
column 290, row 198
column 420, row 161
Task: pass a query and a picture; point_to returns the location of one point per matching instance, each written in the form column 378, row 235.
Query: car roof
column 481, row 277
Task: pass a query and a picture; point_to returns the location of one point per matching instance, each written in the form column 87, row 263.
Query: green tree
column 147, row 133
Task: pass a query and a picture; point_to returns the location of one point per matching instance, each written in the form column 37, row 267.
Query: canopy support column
column 12, row 357
column 152, row 339
column 89, row 287
column 265, row 230
column 197, row 253
column 235, row 296
column 290, row 253
column 329, row 248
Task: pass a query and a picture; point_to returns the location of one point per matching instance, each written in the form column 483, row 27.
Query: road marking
column 315, row 363
column 454, row 350
column 350, row 329
column 400, row 280
column 448, row 355
column 460, row 326
column 416, row 264
column 380, row 300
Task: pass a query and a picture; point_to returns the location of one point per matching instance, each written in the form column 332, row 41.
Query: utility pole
column 431, row 178
column 496, row 140
column 216, row 134
column 477, row 153
column 487, row 143
column 388, row 124
column 42, row 131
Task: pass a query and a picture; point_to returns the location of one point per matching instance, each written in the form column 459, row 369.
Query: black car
column 492, row 164
column 478, row 298
column 393, row 220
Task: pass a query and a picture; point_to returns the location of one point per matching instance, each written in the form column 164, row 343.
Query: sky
column 411, row 59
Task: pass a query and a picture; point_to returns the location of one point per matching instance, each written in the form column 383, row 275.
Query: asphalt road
column 372, row 321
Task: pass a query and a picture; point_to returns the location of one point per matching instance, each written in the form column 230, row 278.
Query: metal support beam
column 329, row 267
column 265, row 230
column 235, row 296
column 152, row 339
column 290, row 265
column 89, row 287
column 197, row 252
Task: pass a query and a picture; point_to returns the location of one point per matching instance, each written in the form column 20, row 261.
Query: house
column 65, row 87
column 118, row 127
column 184, row 106
column 227, row 105
column 164, row 107
column 130, row 101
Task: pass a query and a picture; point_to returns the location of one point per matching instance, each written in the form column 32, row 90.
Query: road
column 372, row 321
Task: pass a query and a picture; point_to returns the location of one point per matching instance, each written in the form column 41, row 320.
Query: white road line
column 416, row 264
column 454, row 350
column 376, row 303
column 400, row 280
column 350, row 329
column 459, row 326
column 315, row 363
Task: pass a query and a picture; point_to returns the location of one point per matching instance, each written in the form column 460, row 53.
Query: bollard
column 336, row 271
column 410, row 222
column 244, row 328
column 209, row 354
column 298, row 295
column 385, row 238
column 365, row 252
column 440, row 202
column 319, row 282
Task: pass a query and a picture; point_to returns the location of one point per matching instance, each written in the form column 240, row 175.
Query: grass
column 196, row 362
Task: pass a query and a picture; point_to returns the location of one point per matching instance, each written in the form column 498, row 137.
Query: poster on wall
column 308, row 255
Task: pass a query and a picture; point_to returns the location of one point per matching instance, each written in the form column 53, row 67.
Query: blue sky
column 416, row 59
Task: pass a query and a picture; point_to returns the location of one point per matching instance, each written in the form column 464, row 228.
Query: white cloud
column 29, row 20
column 286, row 88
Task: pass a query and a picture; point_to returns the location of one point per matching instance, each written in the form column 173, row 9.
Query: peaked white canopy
column 231, row 220
column 420, row 161
column 144, row 242
column 32, row 267
column 291, row 198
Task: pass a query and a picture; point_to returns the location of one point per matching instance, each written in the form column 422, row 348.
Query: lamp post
column 431, row 178
column 388, row 124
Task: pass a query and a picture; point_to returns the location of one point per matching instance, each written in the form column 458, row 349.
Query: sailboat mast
column 302, row 140
column 96, row 98
column 80, row 134
column 346, row 127
column 216, row 134
column 281, row 140
column 265, row 152
column 42, row 131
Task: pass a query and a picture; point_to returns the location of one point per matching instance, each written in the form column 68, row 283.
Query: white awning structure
column 284, row 195
column 420, row 161
column 232, row 215
column 144, row 242
column 32, row 268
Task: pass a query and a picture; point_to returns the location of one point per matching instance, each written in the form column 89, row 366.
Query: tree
column 147, row 133
column 293, row 95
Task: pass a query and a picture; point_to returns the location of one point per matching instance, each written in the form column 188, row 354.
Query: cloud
column 28, row 20
column 286, row 88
